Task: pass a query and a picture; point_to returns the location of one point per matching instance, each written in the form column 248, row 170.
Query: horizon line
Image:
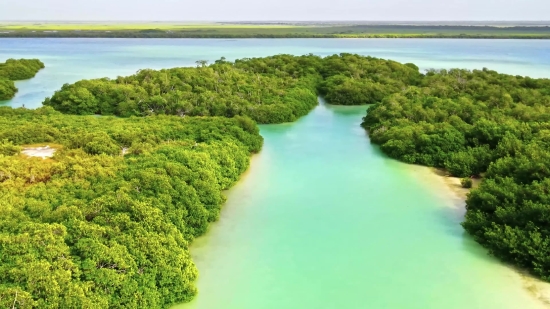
column 277, row 20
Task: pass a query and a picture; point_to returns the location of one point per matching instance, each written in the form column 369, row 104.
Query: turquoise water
column 322, row 219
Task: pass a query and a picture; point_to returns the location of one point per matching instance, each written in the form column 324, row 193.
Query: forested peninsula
column 269, row 90
column 85, row 226
column 13, row 70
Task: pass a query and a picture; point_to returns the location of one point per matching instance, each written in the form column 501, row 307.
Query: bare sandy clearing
column 42, row 152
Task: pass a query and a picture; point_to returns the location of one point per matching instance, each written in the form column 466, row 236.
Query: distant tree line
column 185, row 35
column 13, row 70
column 312, row 31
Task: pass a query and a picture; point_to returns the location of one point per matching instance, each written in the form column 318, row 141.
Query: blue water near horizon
column 69, row 60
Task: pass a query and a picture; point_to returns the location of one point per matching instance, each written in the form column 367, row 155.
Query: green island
column 13, row 70
column 108, row 219
column 272, row 30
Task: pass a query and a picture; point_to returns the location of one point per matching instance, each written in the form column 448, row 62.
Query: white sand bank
column 41, row 152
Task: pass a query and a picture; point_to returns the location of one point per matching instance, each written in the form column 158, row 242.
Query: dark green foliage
column 481, row 122
column 7, row 89
column 466, row 182
column 20, row 69
column 257, row 88
column 355, row 80
column 93, row 228
column 12, row 70
column 460, row 120
column 269, row 90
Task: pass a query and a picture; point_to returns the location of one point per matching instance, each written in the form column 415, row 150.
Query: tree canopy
column 13, row 70
column 220, row 89
column 269, row 90
column 475, row 123
column 107, row 221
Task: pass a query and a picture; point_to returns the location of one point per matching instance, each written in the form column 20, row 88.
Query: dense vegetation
column 475, row 123
column 12, row 70
column 290, row 30
column 472, row 123
column 221, row 89
column 354, row 80
column 269, row 90
column 93, row 228
column 108, row 220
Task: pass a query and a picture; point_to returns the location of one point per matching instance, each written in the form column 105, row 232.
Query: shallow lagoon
column 322, row 219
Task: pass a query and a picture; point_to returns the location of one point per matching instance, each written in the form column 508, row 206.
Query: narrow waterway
column 322, row 219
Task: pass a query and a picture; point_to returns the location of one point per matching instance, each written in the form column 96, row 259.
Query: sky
column 283, row 10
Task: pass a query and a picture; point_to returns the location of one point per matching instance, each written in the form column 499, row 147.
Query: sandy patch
column 448, row 189
column 41, row 152
column 536, row 287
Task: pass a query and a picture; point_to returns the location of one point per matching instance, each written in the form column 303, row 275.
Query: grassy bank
column 219, row 30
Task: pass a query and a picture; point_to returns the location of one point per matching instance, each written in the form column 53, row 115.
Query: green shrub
column 466, row 182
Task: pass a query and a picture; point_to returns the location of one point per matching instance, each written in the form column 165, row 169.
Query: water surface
column 69, row 60
column 322, row 219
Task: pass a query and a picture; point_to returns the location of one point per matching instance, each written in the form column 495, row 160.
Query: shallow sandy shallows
column 451, row 191
column 41, row 152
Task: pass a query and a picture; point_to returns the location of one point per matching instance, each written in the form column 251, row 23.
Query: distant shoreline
column 187, row 36
column 274, row 30
column 15, row 36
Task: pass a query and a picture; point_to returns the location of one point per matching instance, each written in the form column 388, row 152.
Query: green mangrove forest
column 268, row 90
column 107, row 221
column 12, row 70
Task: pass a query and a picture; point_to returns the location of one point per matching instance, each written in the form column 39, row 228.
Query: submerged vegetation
column 13, row 70
column 98, row 220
